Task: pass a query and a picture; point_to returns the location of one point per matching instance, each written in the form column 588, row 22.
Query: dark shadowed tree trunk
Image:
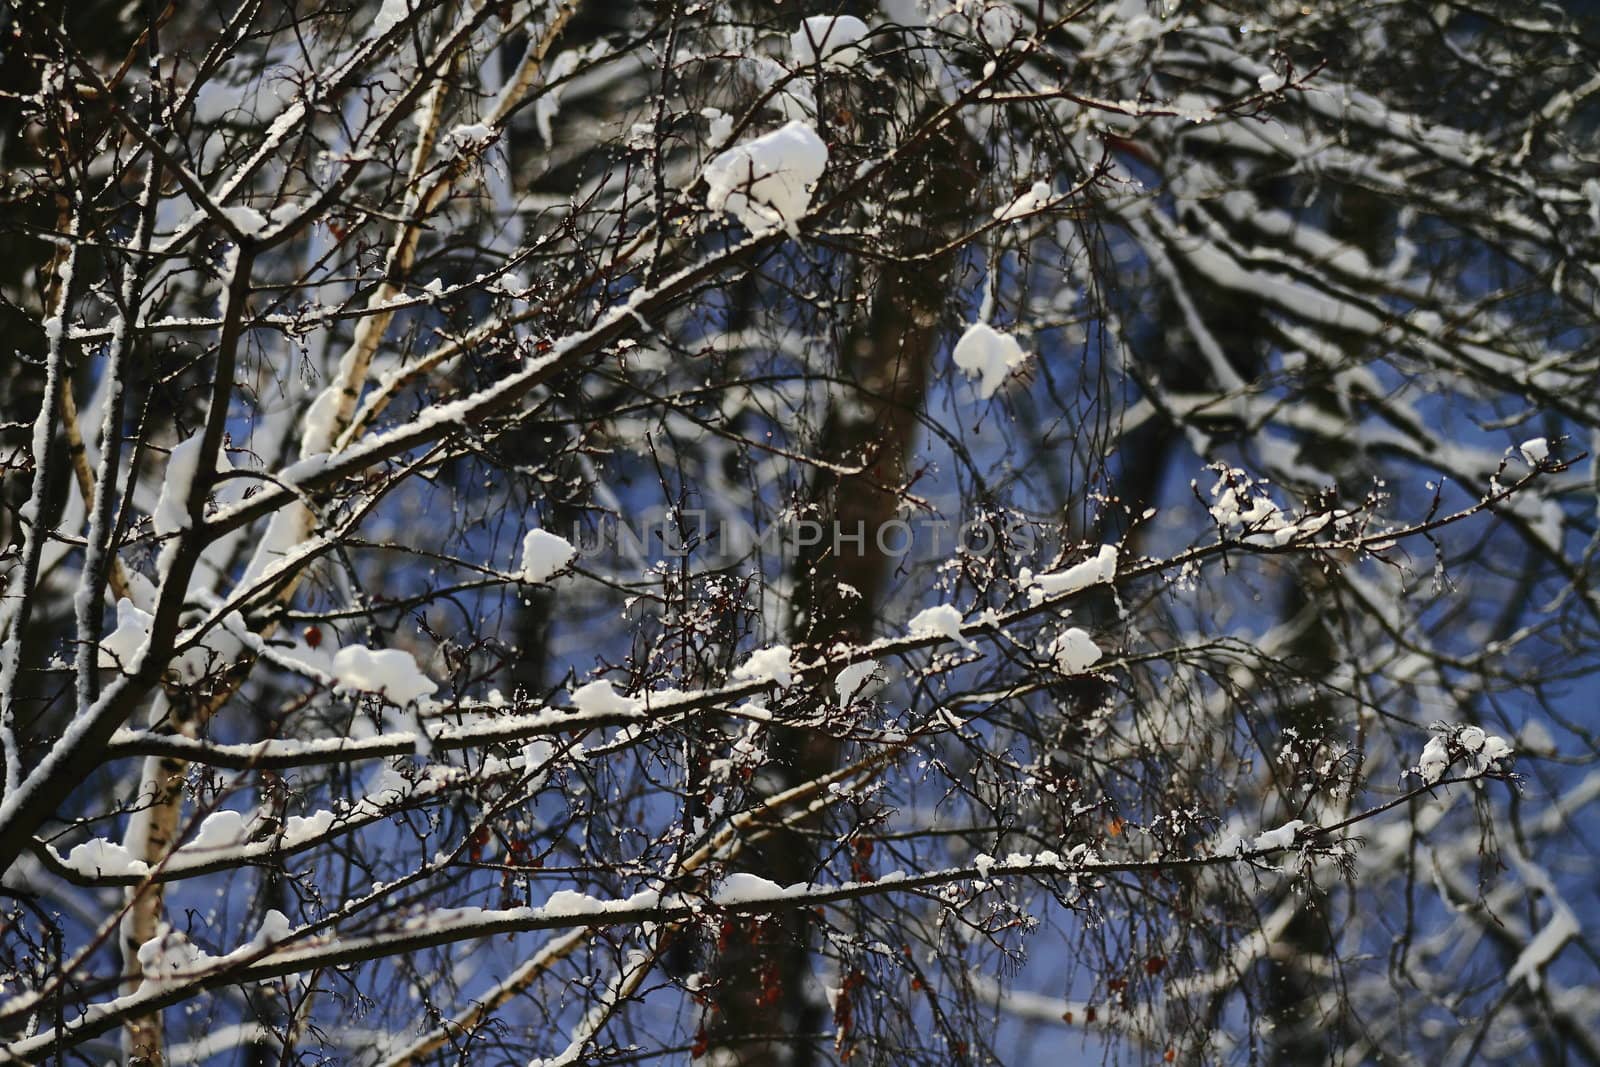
column 765, row 985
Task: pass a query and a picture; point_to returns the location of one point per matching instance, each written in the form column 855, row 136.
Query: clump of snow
column 1496, row 748
column 1026, row 204
column 544, row 555
column 275, row 927
column 536, row 757
column 1535, row 451
column 1100, row 568
column 571, row 902
column 1074, row 651
column 1239, row 500
column 1482, row 750
column 298, row 829
column 767, row 182
column 721, row 124
column 827, row 37
column 854, row 680
column 1132, row 24
column 1271, row 81
column 942, row 620
column 1282, row 837
column 740, row 888
column 389, row 16
column 97, row 856
column 470, row 135
column 775, row 664
column 989, row 355
column 120, row 648
column 389, row 672
column 1307, row 527
column 599, row 698
column 247, row 220
column 1434, row 761
column 172, row 507
column 221, row 829
column 169, row 954
column 999, row 25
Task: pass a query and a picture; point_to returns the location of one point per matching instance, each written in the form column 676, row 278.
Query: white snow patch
column 1271, row 81
column 1026, row 204
column 544, row 555
column 97, row 856
column 1074, row 651
column 1494, row 749
column 548, row 106
column 767, row 182
column 1101, row 567
column 1535, row 451
column 316, row 436
column 168, row 955
column 275, row 927
column 600, row 698
column 942, row 620
column 985, row 353
column 221, row 829
column 1241, row 501
column 247, row 220
column 827, row 37
column 120, row 648
column 1434, row 761
column 389, row 16
column 721, row 124
column 536, row 757
column 470, row 135
column 740, row 888
column 1282, row 837
column 571, row 902
column 855, row 680
column 775, row 664
column 298, row 829
column 390, row 672
column 172, row 508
